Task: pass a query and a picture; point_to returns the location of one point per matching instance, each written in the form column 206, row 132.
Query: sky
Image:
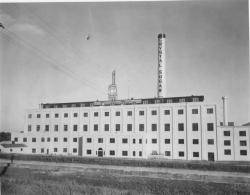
column 66, row 52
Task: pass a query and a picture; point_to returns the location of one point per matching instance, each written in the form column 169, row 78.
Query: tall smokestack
column 225, row 123
column 161, row 66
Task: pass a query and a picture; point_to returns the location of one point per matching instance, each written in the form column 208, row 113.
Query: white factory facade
column 185, row 128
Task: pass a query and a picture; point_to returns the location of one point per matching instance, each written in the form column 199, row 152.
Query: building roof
column 13, row 145
column 247, row 124
column 125, row 102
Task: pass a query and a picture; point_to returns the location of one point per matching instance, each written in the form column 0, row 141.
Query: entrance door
column 210, row 156
column 100, row 152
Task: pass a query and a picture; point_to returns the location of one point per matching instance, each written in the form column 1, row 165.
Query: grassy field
column 16, row 181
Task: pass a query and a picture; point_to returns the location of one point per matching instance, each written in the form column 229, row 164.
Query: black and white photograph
column 124, row 97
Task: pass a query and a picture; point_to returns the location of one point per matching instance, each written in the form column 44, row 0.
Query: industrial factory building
column 185, row 128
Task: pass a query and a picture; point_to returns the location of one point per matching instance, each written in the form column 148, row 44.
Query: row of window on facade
column 118, row 113
column 122, row 103
column 195, row 127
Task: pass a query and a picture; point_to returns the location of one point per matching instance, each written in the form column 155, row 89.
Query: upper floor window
column 38, row 115
column 82, row 105
column 181, row 141
column 129, row 113
column 75, row 128
column 210, row 110
column 85, row 114
column 106, row 113
column 100, row 140
column 56, row 128
column 46, row 127
column 195, row 141
column 112, row 140
column 89, row 140
column 38, row 128
column 117, row 113
column 129, row 127
column 141, row 112
column 167, row 127
column 56, row 115
column 24, row 139
column 226, row 133
column 75, row 115
column 154, row 141
column 195, row 99
column 106, row 127
column 47, row 115
column 117, row 127
column 29, row 127
column 194, row 111
column 145, row 102
column 227, row 142
column 140, row 141
column 64, row 106
column 157, row 101
column 73, row 105
column 55, row 106
column 48, row 139
column 124, row 141
column 65, row 115
column 74, row 139
column 154, row 127
column 95, row 127
column 65, row 139
column 154, row 112
column 169, row 101
column 243, row 143
column 180, row 111
column 180, row 127
column 95, row 114
column 55, row 139
column 141, row 127
column 85, row 127
column 33, row 139
column 210, row 126
column 167, row 141
column 242, row 133
column 30, row 116
column 47, row 106
column 167, row 112
column 182, row 100
column 133, row 141
column 210, row 141
column 65, row 127
column 16, row 139
column 195, row 126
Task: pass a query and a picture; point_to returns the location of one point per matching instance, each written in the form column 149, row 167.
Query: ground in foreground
column 17, row 181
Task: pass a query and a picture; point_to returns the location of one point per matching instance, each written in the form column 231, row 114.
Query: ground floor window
column 195, row 154
column 64, row 149
column 133, row 153
column 88, row 151
column 124, row 153
column 140, row 153
column 55, row 149
column 243, row 152
column 74, row 150
column 227, row 152
column 42, row 150
column 167, row 153
column 111, row 152
column 181, row 154
column 33, row 150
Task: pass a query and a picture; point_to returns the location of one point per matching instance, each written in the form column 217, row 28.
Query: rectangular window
column 117, row 113
column 141, row 112
column 133, row 153
column 226, row 133
column 74, row 139
column 48, row 139
column 24, row 139
column 95, row 127
column 167, row 153
column 46, row 127
column 195, row 99
column 75, row 115
column 140, row 141
column 112, row 140
column 210, row 141
column 195, row 154
column 194, row 111
column 30, row 116
column 243, row 143
column 129, row 127
column 153, row 112
column 195, row 141
column 89, row 152
column 180, row 127
column 227, row 143
column 210, row 126
column 210, row 110
column 169, row 101
column 167, row 141
column 133, row 141
column 56, row 128
column 65, row 139
column 180, row 111
column 38, row 115
column 140, row 153
column 89, row 140
column 85, row 114
column 181, row 141
column 95, row 114
column 129, row 113
column 242, row 133
column 124, row 153
column 75, row 128
column 227, row 152
column 154, row 141
column 145, row 102
column 56, row 115
column 82, row 105
column 42, row 150
column 181, row 100
column 33, row 150
column 106, row 127
column 33, row 139
column 100, row 140
column 65, row 115
column 124, row 141
column 141, row 127
column 243, row 152
column 42, row 139
column 16, row 139
column 195, row 126
column 181, row 154
column 117, row 127
column 85, row 127
column 29, row 127
column 154, row 127
column 47, row 115
column 167, row 127
column 65, row 127
column 112, row 153
column 55, row 149
column 106, row 113
column 64, row 106
column 64, row 149
column 55, row 139
column 38, row 128
column 74, row 150
column 166, row 112
column 55, row 106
